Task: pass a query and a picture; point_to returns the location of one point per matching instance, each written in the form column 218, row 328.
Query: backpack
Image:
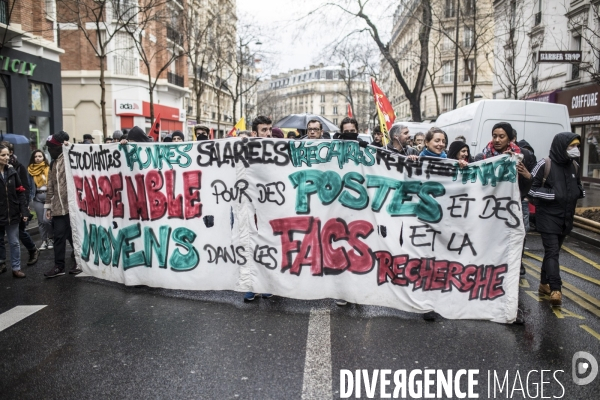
column 547, row 164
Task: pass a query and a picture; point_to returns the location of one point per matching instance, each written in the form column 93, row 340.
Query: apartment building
column 153, row 56
column 318, row 89
column 549, row 51
column 30, row 81
column 459, row 37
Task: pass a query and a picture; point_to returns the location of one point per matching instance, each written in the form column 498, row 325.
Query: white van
column 534, row 121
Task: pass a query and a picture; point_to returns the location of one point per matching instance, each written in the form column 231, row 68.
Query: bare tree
column 514, row 64
column 199, row 31
column 357, row 61
column 157, row 53
column 355, row 9
column 476, row 20
column 94, row 20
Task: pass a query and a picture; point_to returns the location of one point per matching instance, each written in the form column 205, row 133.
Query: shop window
column 40, row 117
column 591, row 152
column 4, row 110
column 38, row 99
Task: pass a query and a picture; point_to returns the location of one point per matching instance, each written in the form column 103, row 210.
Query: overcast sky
column 292, row 42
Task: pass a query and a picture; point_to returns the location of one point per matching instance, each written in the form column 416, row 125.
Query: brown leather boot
column 544, row 289
column 556, row 298
column 18, row 274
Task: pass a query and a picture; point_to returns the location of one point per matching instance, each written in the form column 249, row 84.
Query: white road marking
column 317, row 382
column 17, row 314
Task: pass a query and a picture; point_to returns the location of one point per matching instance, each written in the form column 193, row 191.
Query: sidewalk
column 592, row 196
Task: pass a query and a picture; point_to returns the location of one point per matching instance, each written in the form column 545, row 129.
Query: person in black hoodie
column 557, row 190
column 13, row 209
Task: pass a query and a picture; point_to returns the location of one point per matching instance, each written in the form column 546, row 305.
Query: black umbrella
column 299, row 121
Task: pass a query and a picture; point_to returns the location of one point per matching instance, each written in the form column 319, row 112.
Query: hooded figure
column 557, row 195
column 136, row 134
column 456, row 147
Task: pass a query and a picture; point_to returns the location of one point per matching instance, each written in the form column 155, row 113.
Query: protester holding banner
column 377, row 137
column 202, row 132
column 57, row 203
column 400, row 136
column 177, row 136
column 11, row 192
column 460, row 151
column 557, row 186
column 435, row 144
column 39, row 171
column 262, row 126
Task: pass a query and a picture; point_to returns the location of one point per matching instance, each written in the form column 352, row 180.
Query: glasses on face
column 350, row 131
column 314, row 129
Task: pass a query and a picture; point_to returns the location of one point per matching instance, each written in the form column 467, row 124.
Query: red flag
column 384, row 111
column 155, row 130
column 212, row 134
column 350, row 111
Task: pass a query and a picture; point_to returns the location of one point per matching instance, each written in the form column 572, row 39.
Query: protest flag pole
column 385, row 112
column 155, row 131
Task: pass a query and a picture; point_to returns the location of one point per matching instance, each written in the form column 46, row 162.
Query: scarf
column 490, row 151
column 428, row 153
column 39, row 172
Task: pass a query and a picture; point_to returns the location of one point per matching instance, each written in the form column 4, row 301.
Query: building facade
column 30, row 81
column 321, row 90
column 462, row 38
column 152, row 56
column 526, row 28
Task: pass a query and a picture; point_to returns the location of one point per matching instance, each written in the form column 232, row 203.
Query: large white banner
column 301, row 219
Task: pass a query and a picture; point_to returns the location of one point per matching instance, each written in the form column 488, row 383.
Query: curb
column 586, row 236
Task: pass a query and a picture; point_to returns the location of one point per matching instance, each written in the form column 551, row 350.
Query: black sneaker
column 33, row 256
column 75, row 270
column 54, row 272
column 429, row 316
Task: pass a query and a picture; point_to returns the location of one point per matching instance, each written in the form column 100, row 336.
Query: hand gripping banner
column 301, row 219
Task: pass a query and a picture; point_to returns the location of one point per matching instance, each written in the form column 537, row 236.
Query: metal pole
column 456, row 56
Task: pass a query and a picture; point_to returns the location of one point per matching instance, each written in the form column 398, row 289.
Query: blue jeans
column 23, row 235
column 12, row 231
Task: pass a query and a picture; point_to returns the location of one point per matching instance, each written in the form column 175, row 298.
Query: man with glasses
column 314, row 129
column 262, row 126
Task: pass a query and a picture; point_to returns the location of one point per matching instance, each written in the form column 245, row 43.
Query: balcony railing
column 175, row 79
column 174, row 36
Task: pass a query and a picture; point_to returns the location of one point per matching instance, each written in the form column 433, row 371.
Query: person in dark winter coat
column 24, row 236
column 13, row 210
column 557, row 195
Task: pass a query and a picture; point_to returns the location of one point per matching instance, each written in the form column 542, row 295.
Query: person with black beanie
column 57, row 204
column 177, row 136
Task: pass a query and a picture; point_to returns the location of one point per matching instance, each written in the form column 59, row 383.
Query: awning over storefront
column 171, row 118
column 582, row 103
column 546, row 97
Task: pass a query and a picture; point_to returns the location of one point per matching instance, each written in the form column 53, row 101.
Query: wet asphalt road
column 97, row 340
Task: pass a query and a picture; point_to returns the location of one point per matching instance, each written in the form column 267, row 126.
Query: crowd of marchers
column 550, row 186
